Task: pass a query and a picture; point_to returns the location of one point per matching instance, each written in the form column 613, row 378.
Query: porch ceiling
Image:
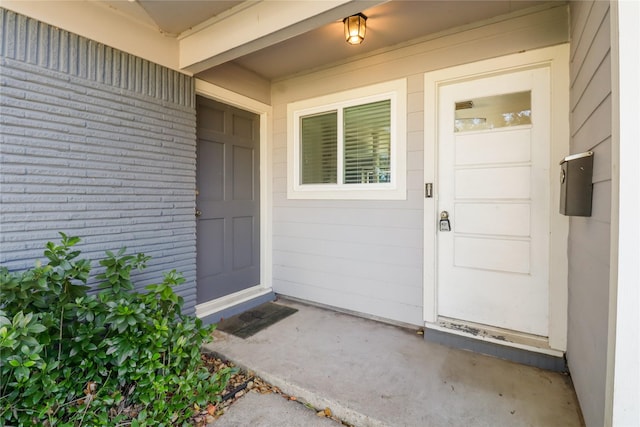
column 390, row 23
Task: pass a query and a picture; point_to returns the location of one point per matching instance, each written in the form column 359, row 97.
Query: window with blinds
column 367, row 143
column 349, row 145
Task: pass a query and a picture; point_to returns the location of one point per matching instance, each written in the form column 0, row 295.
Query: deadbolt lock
column 445, row 225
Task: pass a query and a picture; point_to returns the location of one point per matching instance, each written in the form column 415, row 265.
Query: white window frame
column 396, row 92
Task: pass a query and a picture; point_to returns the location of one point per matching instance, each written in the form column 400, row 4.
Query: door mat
column 246, row 324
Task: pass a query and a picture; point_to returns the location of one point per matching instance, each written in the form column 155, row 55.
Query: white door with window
column 493, row 205
column 495, row 131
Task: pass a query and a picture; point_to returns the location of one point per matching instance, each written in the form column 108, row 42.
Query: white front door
column 493, row 182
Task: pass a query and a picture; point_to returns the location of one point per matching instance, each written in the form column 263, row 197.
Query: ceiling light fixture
column 355, row 27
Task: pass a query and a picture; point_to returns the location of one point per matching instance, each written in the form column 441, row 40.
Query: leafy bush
column 70, row 358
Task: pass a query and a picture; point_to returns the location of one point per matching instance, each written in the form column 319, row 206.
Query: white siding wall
column 367, row 256
column 589, row 238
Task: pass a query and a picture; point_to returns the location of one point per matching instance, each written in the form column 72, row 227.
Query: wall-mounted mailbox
column 576, row 188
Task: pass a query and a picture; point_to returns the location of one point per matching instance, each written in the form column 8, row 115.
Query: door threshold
column 229, row 305
column 505, row 344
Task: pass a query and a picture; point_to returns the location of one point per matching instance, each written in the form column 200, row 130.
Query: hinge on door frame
column 428, row 190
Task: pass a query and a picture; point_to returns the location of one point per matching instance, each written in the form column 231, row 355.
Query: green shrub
column 70, row 358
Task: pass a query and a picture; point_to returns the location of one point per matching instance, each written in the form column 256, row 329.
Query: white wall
column 367, row 256
column 239, row 80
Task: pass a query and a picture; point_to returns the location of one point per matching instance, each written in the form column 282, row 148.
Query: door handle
column 198, row 212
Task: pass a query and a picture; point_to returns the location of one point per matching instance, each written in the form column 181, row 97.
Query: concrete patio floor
column 373, row 374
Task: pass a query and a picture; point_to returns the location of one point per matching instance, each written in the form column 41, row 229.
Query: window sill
column 304, row 193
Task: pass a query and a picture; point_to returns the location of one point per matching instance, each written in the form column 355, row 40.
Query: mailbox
column 576, row 188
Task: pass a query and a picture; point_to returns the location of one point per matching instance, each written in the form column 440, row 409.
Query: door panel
column 212, row 173
column 228, row 242
column 499, row 219
column 243, row 239
column 510, row 256
column 493, row 183
column 493, row 145
column 243, row 185
column 213, row 246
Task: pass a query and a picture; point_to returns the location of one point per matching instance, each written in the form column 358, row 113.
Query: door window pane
column 319, row 149
column 367, row 143
column 511, row 109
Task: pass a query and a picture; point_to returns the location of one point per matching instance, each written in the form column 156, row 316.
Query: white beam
column 250, row 28
column 623, row 371
column 101, row 23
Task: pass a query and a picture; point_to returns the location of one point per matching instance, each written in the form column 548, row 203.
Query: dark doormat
column 246, row 324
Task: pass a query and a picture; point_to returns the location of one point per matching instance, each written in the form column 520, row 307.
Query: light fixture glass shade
column 355, row 27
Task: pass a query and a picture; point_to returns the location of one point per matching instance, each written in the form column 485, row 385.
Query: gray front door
column 227, row 200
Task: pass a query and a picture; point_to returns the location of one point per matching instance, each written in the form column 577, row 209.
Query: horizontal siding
column 398, row 256
column 367, row 256
column 95, row 143
column 590, row 238
column 594, row 93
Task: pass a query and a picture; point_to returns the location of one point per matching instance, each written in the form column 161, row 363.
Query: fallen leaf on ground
column 212, row 412
column 326, row 412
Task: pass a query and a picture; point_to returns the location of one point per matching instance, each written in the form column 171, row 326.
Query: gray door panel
column 228, row 181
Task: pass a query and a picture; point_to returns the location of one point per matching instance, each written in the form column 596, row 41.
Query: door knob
column 198, row 212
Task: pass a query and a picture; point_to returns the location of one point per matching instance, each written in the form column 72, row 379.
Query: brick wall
column 96, row 143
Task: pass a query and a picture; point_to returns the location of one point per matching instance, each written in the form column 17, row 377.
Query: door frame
column 264, row 111
column 557, row 59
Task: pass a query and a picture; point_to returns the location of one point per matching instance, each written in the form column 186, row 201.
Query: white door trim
column 622, row 386
column 265, row 112
column 557, row 59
